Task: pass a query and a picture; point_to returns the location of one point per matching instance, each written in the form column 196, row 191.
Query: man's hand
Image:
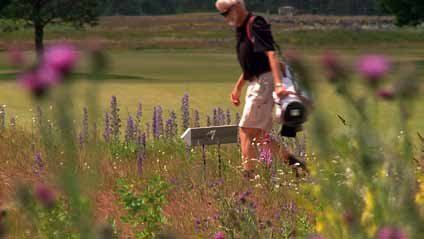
column 235, row 97
column 281, row 92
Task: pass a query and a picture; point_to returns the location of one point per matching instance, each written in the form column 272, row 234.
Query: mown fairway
column 161, row 77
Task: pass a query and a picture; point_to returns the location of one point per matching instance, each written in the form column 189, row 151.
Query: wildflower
column 157, row 123
column 386, row 94
column 141, row 156
column 168, row 129
column 85, row 129
column 237, row 119
column 391, row 233
column 39, row 165
column 335, row 71
column 130, row 130
column 138, row 116
column 266, row 156
column 173, row 118
column 115, row 119
column 46, row 196
column 142, row 140
column 219, row 235
column 62, row 57
column 419, row 197
column 107, row 130
column 228, row 116
column 147, row 130
column 185, row 112
column 196, row 118
column 243, row 196
column 215, row 117
column 373, row 67
column 208, row 121
column 221, row 116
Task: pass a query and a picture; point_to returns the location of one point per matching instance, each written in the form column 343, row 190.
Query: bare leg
column 248, row 138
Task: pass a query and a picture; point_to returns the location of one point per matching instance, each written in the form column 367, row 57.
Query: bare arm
column 275, row 67
column 236, row 93
column 240, row 83
column 276, row 73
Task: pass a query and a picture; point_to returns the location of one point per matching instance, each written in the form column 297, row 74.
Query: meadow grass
column 161, row 77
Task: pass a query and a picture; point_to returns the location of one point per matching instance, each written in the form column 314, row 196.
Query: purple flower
column 237, row 119
column 373, row 67
column 219, row 235
column 221, row 116
column 266, row 156
column 208, row 121
column 46, row 196
column 157, row 123
column 138, row 116
column 386, row 94
column 80, row 139
column 115, row 118
column 107, row 130
column 32, row 82
column 147, row 130
column 154, row 124
column 196, row 118
column 130, row 130
column 331, row 64
column 62, row 57
column 142, row 140
column 85, row 129
column 39, row 165
column 391, row 233
column 185, row 112
column 228, row 116
column 141, row 156
column 215, row 116
column 168, row 129
column 173, row 118
column 243, row 196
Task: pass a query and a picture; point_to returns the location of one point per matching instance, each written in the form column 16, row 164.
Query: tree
column 39, row 13
column 408, row 12
column 4, row 3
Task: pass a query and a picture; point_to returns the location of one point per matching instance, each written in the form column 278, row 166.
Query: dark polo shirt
column 251, row 56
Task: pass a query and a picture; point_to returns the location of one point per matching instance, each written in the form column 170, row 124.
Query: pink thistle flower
column 16, row 56
column 373, row 67
column 331, row 63
column 46, row 196
column 219, row 235
column 48, row 76
column 386, row 94
column 391, row 233
column 62, row 57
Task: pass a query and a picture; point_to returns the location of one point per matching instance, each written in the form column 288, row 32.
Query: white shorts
column 257, row 111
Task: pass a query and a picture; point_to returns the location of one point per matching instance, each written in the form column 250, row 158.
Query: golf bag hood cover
column 291, row 112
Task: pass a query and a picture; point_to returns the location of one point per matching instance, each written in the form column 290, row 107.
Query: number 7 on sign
column 212, row 134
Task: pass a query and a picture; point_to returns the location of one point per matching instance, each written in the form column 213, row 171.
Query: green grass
column 161, row 77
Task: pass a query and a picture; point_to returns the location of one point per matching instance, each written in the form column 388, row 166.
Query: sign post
column 215, row 135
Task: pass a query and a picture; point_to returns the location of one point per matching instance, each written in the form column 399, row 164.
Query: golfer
column 260, row 64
